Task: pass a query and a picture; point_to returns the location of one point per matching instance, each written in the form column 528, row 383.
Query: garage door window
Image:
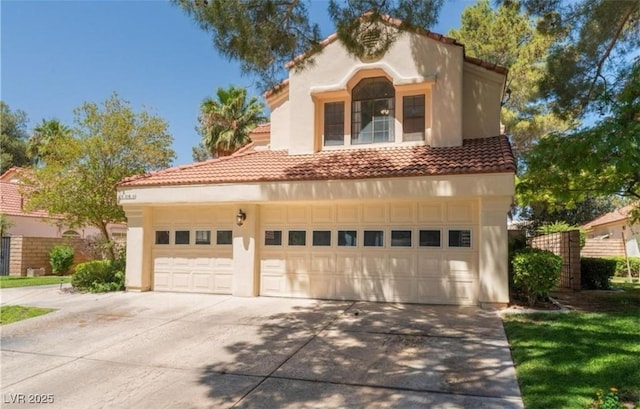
column 321, row 237
column 182, row 237
column 162, row 237
column 297, row 238
column 273, row 238
column 429, row 238
column 373, row 238
column 459, row 238
column 224, row 237
column 347, row 238
column 400, row 238
column 203, row 237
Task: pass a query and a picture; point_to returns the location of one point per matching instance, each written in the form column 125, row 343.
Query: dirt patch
column 594, row 301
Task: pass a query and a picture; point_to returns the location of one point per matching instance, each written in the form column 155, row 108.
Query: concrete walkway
column 163, row 350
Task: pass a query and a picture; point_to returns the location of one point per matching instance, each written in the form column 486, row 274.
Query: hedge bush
column 595, row 273
column 621, row 266
column 61, row 259
column 536, row 272
column 99, row 276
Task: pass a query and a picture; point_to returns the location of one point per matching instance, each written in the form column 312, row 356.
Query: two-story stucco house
column 384, row 180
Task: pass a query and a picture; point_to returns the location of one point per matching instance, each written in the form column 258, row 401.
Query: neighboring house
column 381, row 179
column 614, row 226
column 38, row 223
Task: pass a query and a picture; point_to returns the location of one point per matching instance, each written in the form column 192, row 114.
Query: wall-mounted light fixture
column 240, row 217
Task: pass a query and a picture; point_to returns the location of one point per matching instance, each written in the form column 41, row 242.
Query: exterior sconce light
column 240, row 217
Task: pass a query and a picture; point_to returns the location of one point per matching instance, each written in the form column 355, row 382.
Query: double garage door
column 400, row 252
column 406, row 252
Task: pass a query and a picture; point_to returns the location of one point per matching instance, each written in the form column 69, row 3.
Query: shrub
column 621, row 266
column 536, row 272
column 596, row 272
column 99, row 276
column 61, row 259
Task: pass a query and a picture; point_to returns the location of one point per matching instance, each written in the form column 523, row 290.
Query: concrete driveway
column 162, row 350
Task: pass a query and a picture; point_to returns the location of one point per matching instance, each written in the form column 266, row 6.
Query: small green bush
column 621, row 266
column 61, row 259
column 595, row 273
column 536, row 272
column 99, row 276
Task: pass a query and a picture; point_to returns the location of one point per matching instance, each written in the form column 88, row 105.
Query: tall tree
column 110, row 142
column 603, row 159
column 508, row 37
column 264, row 35
column 44, row 136
column 225, row 123
column 592, row 73
column 596, row 40
column 13, row 147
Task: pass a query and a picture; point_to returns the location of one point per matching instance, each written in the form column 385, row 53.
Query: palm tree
column 48, row 132
column 225, row 123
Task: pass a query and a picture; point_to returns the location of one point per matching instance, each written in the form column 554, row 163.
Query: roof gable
column 617, row 215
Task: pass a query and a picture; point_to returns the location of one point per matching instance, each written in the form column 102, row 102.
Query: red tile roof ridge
column 187, row 166
column 11, row 202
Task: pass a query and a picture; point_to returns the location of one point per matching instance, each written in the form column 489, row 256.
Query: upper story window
column 334, row 123
column 413, row 118
column 372, row 111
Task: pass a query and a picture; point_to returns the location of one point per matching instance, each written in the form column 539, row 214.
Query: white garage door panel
column 191, row 272
column 439, row 275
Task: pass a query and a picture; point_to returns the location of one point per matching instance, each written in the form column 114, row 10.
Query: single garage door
column 192, row 271
column 400, row 252
column 192, row 249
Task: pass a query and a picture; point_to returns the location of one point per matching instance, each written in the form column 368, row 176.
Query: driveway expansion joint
column 307, row 342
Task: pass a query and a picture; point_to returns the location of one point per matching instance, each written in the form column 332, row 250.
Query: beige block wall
column 33, row 252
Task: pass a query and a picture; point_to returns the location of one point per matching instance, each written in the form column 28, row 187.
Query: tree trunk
column 109, row 246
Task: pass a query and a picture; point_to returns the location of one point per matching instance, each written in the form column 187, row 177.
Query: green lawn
column 562, row 360
column 9, row 282
column 13, row 313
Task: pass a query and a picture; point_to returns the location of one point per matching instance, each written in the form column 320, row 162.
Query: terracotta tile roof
column 488, row 155
column 11, row 202
column 262, row 128
column 619, row 214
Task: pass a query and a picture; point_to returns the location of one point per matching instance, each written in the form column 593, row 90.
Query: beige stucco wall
column 412, row 59
column 461, row 186
column 280, row 118
column 482, row 91
column 466, row 96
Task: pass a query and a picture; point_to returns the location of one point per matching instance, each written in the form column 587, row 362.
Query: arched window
column 71, row 234
column 372, row 111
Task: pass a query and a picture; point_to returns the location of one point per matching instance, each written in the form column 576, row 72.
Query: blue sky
column 58, row 54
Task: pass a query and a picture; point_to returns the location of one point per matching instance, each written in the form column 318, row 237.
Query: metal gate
column 5, row 256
